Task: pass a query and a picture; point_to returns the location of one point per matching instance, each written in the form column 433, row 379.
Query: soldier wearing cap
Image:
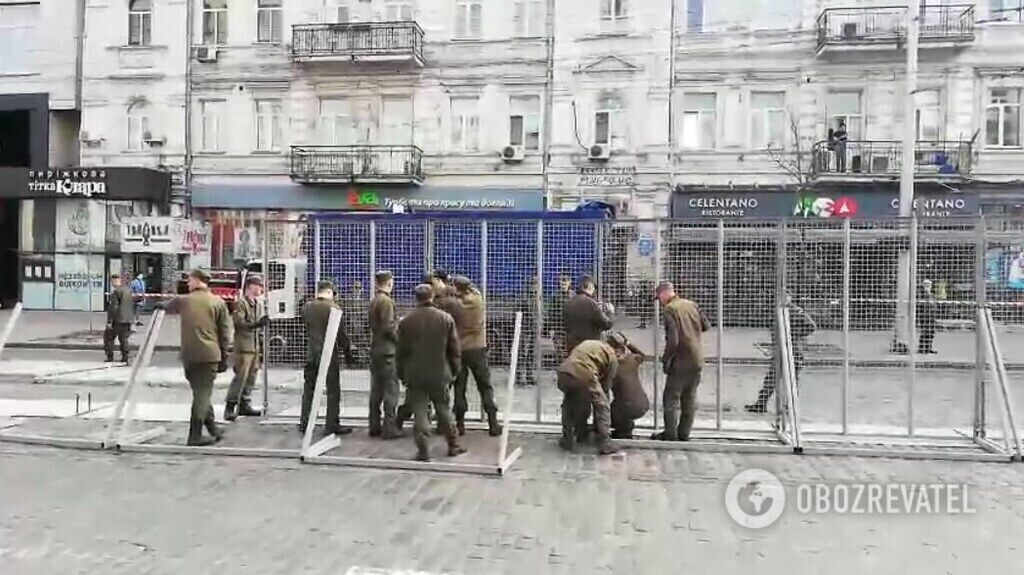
column 583, row 378
column 629, row 400
column 120, row 313
column 384, row 388
column 429, row 357
column 682, row 361
column 315, row 316
column 205, row 340
column 445, row 297
column 584, row 317
column 249, row 319
column 471, row 324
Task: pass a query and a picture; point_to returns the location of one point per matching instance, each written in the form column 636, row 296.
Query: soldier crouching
column 583, row 378
column 629, row 400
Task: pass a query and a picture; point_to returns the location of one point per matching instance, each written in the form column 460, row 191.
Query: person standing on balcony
column 839, row 139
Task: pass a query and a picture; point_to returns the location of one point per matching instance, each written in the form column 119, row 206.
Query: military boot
column 216, row 431
column 606, row 447
column 195, row 434
column 245, row 408
column 494, row 428
column 230, row 411
column 454, row 450
column 460, row 423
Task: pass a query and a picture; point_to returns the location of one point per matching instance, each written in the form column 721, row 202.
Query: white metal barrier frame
column 112, row 433
column 316, row 453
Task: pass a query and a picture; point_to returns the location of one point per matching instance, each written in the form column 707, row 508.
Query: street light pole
column 901, row 332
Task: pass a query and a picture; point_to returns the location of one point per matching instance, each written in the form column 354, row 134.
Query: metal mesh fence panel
column 511, row 279
column 286, row 267
column 1002, row 284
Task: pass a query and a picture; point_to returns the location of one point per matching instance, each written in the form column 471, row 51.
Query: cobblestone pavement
column 64, row 511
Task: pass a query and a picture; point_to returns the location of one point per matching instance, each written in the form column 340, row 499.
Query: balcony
column 363, row 42
column 364, row 164
column 883, row 28
column 883, row 160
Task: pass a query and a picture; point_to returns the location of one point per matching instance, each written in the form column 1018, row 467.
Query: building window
column 465, row 124
column 609, row 122
column 211, row 115
column 18, row 37
column 1002, row 118
column 140, row 22
column 524, row 122
column 928, row 115
column 347, row 122
column 1007, row 10
column 528, row 18
column 398, row 12
column 845, row 108
column 215, row 22
column 614, row 9
column 268, row 125
column 694, row 15
column 268, row 21
column 469, row 19
column 699, row 121
column 767, row 120
column 138, row 125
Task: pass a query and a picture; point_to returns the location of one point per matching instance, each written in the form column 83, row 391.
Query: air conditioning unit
column 513, row 153
column 599, row 152
column 206, row 53
column 88, row 140
column 149, row 140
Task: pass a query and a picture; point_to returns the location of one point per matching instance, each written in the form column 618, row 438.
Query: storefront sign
column 195, row 237
column 75, row 182
column 817, row 205
column 372, row 200
column 77, row 278
column 150, row 235
column 605, row 176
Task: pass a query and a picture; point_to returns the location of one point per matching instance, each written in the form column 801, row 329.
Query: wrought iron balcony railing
column 887, row 25
column 884, row 158
column 363, row 41
column 361, row 163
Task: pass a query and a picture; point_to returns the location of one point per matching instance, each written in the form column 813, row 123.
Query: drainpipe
column 187, row 167
column 549, row 90
column 671, row 104
column 79, row 53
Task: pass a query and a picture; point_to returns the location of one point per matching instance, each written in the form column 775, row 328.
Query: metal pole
column 266, row 310
column 333, row 322
column 428, row 245
column 538, row 320
column 510, row 386
column 720, row 314
column 658, row 230
column 373, row 250
column 9, row 326
column 549, row 96
column 981, row 299
column 845, row 399
column 483, row 257
column 911, row 326
column 317, row 271
column 907, row 161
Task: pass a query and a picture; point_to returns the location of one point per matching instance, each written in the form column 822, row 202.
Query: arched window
column 138, row 125
column 140, row 22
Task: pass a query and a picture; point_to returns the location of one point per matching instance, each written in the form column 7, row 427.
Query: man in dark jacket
column 801, row 325
column 120, row 314
column 583, row 378
column 384, row 390
column 249, row 319
column 471, row 324
column 445, row 297
column 682, row 361
column 584, row 317
column 429, row 356
column 315, row 316
column 629, row 400
column 205, row 339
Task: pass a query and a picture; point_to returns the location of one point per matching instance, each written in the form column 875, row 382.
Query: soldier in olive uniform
column 429, row 356
column 445, row 297
column 120, row 313
column 205, row 339
column 384, row 389
column 583, row 377
column 249, row 319
column 472, row 328
column 315, row 316
column 584, row 317
column 682, row 361
column 629, row 400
